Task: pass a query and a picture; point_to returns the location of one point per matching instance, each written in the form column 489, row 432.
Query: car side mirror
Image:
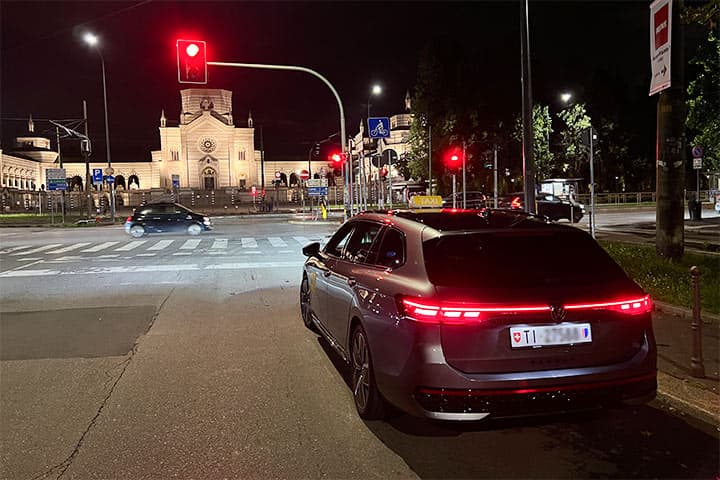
column 311, row 249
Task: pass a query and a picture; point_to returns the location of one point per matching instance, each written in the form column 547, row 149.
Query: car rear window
column 520, row 258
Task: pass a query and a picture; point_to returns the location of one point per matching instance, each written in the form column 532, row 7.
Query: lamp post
column 374, row 91
column 93, row 41
column 565, row 97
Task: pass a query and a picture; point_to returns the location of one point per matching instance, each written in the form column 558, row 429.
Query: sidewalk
column 700, row 397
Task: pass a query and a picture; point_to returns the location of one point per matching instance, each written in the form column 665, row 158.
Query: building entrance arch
column 209, row 177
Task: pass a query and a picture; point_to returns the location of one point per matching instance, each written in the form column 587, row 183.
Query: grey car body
column 354, row 292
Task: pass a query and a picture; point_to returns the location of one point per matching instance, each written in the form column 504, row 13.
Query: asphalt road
column 173, row 359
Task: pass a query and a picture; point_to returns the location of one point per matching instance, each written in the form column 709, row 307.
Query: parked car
column 473, row 200
column 548, row 205
column 166, row 217
column 461, row 315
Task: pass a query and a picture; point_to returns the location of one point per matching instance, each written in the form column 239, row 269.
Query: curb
column 676, row 392
column 685, row 313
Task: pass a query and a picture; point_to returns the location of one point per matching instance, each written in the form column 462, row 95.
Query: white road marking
column 102, row 246
column 190, row 245
column 71, row 247
column 29, row 259
column 233, row 266
column 146, row 254
column 252, row 252
column 182, row 253
column 249, row 242
column 39, row 249
column 130, row 246
column 161, row 245
column 108, row 256
column 220, row 243
column 302, row 240
column 286, row 251
column 28, row 273
column 277, row 242
column 15, row 249
column 217, row 253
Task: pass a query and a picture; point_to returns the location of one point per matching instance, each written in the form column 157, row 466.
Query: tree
column 703, row 99
column 545, row 166
column 572, row 155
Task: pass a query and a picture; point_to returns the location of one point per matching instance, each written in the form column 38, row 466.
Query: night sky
column 597, row 50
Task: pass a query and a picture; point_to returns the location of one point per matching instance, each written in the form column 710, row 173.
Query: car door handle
column 351, row 281
column 327, row 273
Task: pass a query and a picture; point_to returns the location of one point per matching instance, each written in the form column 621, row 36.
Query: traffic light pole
column 463, row 173
column 343, row 138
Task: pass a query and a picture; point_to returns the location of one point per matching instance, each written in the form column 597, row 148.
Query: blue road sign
column 697, row 151
column 317, row 191
column 109, row 179
column 97, row 175
column 176, row 181
column 379, row 127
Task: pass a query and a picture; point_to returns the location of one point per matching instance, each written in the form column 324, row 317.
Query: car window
column 146, row 211
column 338, row 241
column 361, row 241
column 392, row 249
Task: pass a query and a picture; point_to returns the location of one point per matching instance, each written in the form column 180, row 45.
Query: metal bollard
column 697, row 368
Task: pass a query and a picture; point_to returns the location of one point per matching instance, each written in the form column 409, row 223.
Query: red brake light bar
column 440, row 313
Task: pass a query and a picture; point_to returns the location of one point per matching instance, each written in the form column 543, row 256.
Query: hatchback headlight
column 206, row 220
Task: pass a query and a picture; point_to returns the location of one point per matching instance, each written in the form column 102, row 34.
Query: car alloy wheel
column 194, row 229
column 137, row 231
column 305, row 308
column 368, row 401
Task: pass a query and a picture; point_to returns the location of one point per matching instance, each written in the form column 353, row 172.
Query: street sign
column 317, row 191
column 109, row 171
column 304, row 174
column 317, row 182
column 660, row 44
column 56, row 179
column 176, row 181
column 110, row 179
column 697, row 151
column 97, row 176
column 379, row 127
column 697, row 163
column 277, row 174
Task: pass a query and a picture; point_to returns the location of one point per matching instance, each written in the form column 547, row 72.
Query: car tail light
column 630, row 306
column 445, row 313
column 129, row 219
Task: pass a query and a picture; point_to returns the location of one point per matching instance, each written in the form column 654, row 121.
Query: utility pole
column 670, row 153
column 495, row 177
column 527, row 107
column 86, row 154
column 430, row 185
column 262, row 168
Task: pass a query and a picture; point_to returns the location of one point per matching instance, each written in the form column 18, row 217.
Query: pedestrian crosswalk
column 177, row 247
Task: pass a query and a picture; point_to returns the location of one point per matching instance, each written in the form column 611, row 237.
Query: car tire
column 305, row 306
column 194, row 229
column 369, row 403
column 137, row 231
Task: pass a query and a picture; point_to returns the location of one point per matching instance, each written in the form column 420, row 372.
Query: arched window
column 133, row 182
column 120, row 182
column 293, row 180
column 208, row 178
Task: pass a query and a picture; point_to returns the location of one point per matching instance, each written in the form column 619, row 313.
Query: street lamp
column 374, row 90
column 565, row 97
column 93, row 40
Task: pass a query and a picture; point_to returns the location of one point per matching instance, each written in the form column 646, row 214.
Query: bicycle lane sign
column 379, row 127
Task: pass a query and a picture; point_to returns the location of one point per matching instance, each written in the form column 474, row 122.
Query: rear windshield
column 521, row 258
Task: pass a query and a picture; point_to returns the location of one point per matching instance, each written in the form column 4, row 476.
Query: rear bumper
column 425, row 385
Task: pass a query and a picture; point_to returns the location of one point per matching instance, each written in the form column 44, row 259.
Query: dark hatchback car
column 473, row 200
column 460, row 315
column 166, row 217
column 548, row 205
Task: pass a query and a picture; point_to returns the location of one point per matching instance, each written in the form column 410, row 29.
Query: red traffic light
column 337, row 158
column 383, row 172
column 453, row 158
column 192, row 61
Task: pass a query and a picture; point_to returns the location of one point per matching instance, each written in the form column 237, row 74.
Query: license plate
column 562, row 334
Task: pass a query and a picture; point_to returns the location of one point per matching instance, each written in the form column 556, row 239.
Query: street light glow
column 90, row 39
column 376, row 90
column 565, row 97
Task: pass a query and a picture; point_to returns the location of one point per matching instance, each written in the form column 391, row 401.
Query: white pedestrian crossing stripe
column 161, row 245
column 220, row 243
column 102, row 246
column 249, row 242
column 39, row 249
column 302, row 240
column 70, row 248
column 190, row 244
column 15, row 249
column 277, row 242
column 130, row 246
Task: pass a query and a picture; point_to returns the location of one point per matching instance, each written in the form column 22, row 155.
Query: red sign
column 661, row 26
column 304, row 174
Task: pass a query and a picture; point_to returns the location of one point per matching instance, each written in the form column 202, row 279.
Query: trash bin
column 695, row 209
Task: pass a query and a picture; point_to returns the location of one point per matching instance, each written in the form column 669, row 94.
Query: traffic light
column 337, row 159
column 383, row 172
column 192, row 61
column 453, row 158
